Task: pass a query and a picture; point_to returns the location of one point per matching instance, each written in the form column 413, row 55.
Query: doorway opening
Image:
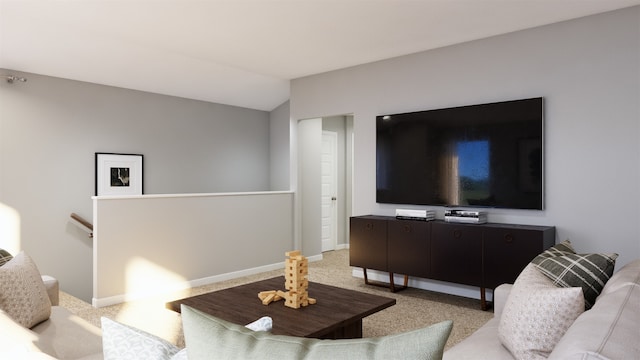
column 324, row 181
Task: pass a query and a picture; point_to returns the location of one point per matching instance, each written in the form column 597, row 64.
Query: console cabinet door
column 456, row 253
column 368, row 243
column 408, row 247
column 507, row 250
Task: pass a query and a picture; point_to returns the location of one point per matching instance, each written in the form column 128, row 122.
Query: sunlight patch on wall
column 146, row 279
column 149, row 287
column 9, row 229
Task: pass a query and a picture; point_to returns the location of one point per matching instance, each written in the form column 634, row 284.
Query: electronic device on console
column 465, row 216
column 410, row 214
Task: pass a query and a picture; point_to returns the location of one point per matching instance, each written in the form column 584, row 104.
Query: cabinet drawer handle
column 407, row 228
column 369, row 226
column 457, row 234
column 508, row 238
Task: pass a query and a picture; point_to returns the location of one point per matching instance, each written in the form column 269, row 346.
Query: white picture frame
column 118, row 174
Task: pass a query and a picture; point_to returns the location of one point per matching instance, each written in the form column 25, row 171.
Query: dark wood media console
column 482, row 255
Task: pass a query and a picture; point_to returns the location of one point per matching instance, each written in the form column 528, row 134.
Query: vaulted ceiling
column 244, row 52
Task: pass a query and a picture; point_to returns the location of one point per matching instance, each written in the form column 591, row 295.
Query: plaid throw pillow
column 567, row 269
column 4, row 257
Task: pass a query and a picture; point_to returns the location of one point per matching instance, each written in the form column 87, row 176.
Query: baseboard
column 342, row 246
column 425, row 284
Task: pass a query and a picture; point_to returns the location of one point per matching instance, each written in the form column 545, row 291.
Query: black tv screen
column 487, row 155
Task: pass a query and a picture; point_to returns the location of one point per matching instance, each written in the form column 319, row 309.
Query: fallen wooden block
column 262, row 294
column 268, row 299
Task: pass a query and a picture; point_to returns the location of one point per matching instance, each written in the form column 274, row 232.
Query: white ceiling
column 244, row 52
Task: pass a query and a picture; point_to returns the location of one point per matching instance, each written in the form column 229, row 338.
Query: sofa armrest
column 53, row 289
column 500, row 295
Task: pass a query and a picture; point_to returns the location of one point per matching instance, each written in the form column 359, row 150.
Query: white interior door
column 329, row 182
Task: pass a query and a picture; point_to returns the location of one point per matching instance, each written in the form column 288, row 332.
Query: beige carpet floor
column 415, row 308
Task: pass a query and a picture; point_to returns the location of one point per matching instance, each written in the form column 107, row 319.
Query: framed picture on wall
column 118, row 174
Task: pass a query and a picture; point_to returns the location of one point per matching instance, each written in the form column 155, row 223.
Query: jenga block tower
column 295, row 274
column 296, row 270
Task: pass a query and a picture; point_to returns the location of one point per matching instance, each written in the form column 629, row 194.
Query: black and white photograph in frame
column 118, row 174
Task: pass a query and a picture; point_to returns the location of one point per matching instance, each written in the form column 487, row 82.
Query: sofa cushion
column 537, row 314
column 22, row 293
column 483, row 343
column 208, row 337
column 5, row 256
column 122, row 342
column 566, row 269
column 610, row 329
column 627, row 276
column 67, row 336
column 16, row 339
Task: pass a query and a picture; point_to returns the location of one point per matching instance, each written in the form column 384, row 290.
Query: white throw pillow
column 122, row 342
column 23, row 295
column 537, row 314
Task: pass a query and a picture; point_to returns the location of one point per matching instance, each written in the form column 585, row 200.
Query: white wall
column 587, row 69
column 279, row 145
column 50, row 129
column 156, row 244
column 308, row 193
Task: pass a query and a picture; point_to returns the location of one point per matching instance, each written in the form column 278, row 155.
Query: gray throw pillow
column 208, row 337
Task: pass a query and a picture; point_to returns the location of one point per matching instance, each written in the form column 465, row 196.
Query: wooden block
column 291, row 300
column 292, row 305
column 293, row 280
column 293, row 253
column 292, row 275
column 268, row 299
column 265, row 293
column 298, row 286
column 312, row 301
column 295, row 264
column 300, row 260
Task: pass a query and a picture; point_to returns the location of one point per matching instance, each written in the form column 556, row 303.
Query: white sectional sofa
column 609, row 330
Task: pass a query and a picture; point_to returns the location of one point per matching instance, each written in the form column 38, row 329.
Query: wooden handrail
column 83, row 222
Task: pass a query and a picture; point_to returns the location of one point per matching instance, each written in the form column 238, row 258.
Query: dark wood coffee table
column 337, row 314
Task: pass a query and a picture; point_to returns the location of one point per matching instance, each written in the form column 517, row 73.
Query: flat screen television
column 487, row 155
